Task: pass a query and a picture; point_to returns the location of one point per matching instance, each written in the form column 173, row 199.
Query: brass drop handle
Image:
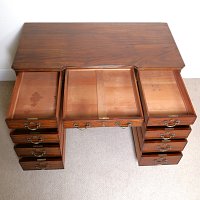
column 129, row 124
column 35, row 140
column 87, row 125
column 164, row 148
column 119, row 125
column 41, row 166
column 39, row 154
column 31, row 125
column 171, row 123
column 170, row 135
column 160, row 161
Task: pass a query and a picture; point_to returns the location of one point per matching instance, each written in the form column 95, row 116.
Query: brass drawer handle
column 129, row 124
column 87, row 125
column 30, row 125
column 35, row 140
column 41, row 166
column 171, row 123
column 119, row 125
column 161, row 161
column 39, row 154
column 164, row 147
column 170, row 135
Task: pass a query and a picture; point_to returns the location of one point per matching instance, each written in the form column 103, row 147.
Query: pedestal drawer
column 164, row 98
column 38, row 151
column 35, row 101
column 23, row 136
column 41, row 164
column 160, row 159
column 159, row 146
column 165, row 133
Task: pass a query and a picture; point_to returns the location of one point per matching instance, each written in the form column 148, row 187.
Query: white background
column 183, row 18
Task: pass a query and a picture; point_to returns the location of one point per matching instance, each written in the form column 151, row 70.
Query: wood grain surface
column 54, row 46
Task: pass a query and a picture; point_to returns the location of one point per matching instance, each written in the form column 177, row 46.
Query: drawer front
column 102, row 123
column 160, row 159
column 159, row 146
column 35, row 107
column 38, row 151
column 41, row 164
column 31, row 124
column 165, row 99
column 171, row 121
column 166, row 133
column 33, row 137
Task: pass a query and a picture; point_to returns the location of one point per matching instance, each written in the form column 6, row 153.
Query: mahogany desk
column 82, row 75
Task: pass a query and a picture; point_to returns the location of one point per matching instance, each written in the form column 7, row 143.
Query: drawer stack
column 35, row 119
column 155, row 157
column 41, row 149
column 168, row 113
column 159, row 146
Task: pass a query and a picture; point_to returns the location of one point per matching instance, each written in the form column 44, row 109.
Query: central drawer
column 35, row 101
column 101, row 97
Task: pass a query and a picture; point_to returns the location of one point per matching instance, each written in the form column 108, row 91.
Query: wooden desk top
column 54, row 46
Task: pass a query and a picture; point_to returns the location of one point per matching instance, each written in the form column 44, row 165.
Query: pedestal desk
column 82, row 75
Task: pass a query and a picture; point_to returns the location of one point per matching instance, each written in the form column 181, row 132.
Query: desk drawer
column 160, row 159
column 165, row 99
column 101, row 97
column 101, row 123
column 41, row 164
column 158, row 146
column 23, row 136
column 35, row 101
column 38, row 151
column 166, row 133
